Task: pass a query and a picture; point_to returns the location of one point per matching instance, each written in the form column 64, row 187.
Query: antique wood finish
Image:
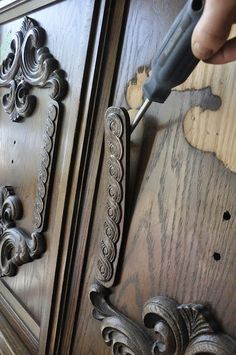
column 168, row 285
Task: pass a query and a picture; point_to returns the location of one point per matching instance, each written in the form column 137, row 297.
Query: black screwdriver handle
column 175, row 60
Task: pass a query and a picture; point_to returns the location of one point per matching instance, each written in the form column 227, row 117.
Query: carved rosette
column 116, row 153
column 29, row 64
column 179, row 329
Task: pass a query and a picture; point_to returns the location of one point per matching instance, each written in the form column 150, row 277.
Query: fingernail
column 201, row 52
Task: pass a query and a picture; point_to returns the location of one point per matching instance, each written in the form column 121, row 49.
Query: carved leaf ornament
column 29, row 64
column 178, row 329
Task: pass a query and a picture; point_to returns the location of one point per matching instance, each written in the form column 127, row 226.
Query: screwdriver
column 175, row 60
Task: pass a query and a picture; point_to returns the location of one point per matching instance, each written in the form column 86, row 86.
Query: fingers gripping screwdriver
column 175, row 60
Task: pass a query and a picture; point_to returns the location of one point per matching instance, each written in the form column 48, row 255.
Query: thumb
column 213, row 28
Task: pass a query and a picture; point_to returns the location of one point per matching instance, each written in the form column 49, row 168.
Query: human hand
column 209, row 40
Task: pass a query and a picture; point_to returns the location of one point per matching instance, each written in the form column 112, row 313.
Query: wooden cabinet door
column 47, row 72
column 174, row 270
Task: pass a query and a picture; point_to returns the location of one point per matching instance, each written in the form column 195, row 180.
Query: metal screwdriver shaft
column 175, row 60
column 140, row 114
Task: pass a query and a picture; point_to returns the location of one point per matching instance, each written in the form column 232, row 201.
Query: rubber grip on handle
column 175, row 60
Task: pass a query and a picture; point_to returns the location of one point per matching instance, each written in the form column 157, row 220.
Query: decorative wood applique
column 45, row 169
column 29, row 64
column 16, row 246
column 179, row 329
column 122, row 334
column 116, row 148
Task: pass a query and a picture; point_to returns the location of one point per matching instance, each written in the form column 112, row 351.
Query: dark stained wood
column 178, row 243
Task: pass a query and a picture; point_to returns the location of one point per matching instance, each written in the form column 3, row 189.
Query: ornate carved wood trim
column 123, row 335
column 180, row 329
column 28, row 64
column 116, row 160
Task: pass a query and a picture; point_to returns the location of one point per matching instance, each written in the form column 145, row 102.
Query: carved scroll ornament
column 16, row 246
column 179, row 329
column 116, row 155
column 29, row 64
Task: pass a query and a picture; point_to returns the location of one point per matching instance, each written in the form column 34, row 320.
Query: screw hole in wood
column 226, row 216
column 217, row 256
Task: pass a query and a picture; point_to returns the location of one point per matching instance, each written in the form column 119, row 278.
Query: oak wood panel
column 177, row 223
column 177, row 227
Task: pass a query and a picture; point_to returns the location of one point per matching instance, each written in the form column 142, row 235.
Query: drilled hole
column 197, row 5
column 12, row 161
column 226, row 216
column 14, row 142
column 216, row 256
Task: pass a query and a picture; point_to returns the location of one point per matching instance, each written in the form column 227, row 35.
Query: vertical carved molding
column 29, row 64
column 116, row 163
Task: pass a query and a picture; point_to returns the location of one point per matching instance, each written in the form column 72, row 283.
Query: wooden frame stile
column 100, row 67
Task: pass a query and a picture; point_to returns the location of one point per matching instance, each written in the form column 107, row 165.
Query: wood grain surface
column 214, row 131
column 180, row 243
